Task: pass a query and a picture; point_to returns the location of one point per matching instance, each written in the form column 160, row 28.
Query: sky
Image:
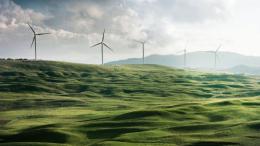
column 166, row 26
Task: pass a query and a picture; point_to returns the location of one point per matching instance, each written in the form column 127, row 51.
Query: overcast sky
column 166, row 25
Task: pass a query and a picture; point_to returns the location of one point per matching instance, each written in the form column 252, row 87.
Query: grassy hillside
column 54, row 103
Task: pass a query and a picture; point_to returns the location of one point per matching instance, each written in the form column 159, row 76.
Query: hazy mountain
column 203, row 60
column 243, row 69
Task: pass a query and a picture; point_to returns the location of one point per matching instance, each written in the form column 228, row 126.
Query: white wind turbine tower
column 102, row 46
column 34, row 40
column 143, row 44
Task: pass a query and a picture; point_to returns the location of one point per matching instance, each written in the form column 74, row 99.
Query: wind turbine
column 34, row 40
column 102, row 46
column 216, row 55
column 184, row 55
column 143, row 44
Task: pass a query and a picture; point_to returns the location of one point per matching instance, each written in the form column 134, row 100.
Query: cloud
column 89, row 16
column 75, row 25
column 12, row 14
column 16, row 37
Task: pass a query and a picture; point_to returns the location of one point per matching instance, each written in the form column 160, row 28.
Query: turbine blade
column 33, row 41
column 103, row 37
column 218, row 48
column 95, row 45
column 31, row 28
column 42, row 33
column 108, row 47
column 139, row 42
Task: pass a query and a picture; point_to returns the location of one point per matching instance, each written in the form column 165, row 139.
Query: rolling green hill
column 54, row 103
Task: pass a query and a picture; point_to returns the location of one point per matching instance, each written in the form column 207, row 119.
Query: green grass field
column 52, row 103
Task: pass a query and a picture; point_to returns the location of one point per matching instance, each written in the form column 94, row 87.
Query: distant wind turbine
column 184, row 55
column 216, row 55
column 102, row 46
column 34, row 40
column 143, row 44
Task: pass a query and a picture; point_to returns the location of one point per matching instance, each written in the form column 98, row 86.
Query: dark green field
column 52, row 103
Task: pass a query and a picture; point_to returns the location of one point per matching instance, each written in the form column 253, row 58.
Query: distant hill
column 202, row 60
column 243, row 69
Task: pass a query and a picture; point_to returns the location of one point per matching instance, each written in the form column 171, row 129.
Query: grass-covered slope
column 53, row 103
